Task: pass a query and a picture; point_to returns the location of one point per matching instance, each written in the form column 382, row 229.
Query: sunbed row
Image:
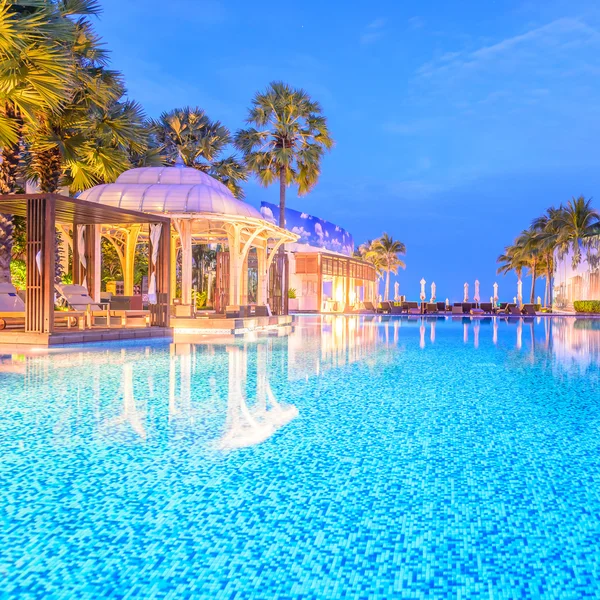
column 458, row 308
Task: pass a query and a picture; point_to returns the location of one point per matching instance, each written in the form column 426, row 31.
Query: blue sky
column 456, row 123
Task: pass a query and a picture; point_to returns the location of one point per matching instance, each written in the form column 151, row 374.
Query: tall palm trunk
column 282, row 182
column 549, row 276
column 48, row 166
column 387, row 285
column 533, row 278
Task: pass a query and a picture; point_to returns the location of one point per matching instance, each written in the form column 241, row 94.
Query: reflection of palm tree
column 244, row 426
column 130, row 413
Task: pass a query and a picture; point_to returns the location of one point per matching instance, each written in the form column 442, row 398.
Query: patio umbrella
column 520, row 292
column 396, row 291
column 433, row 292
column 495, row 293
column 422, row 282
column 476, row 295
column 466, row 296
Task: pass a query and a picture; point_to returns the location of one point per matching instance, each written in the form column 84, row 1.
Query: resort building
column 324, row 276
column 570, row 283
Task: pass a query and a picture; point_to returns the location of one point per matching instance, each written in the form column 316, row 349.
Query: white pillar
column 97, row 266
column 262, row 290
column 185, row 233
column 131, row 239
column 173, row 283
column 235, row 266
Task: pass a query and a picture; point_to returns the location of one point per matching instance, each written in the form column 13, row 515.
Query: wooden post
column 39, row 294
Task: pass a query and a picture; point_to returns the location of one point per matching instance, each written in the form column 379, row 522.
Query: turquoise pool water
column 354, row 458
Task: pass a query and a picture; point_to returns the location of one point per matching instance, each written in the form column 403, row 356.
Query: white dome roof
column 169, row 190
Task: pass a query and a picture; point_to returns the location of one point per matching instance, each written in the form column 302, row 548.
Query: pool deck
column 77, row 336
column 189, row 330
column 181, row 330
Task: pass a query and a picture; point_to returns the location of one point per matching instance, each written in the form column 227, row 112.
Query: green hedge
column 587, row 306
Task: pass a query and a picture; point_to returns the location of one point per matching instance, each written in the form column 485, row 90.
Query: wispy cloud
column 373, row 32
column 533, row 45
column 416, row 22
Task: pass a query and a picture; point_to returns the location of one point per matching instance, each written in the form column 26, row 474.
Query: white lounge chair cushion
column 9, row 299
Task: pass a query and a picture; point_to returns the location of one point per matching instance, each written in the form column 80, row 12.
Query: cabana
column 202, row 211
column 43, row 213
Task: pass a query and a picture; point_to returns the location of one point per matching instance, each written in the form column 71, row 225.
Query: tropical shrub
column 199, row 299
column 587, row 306
column 292, row 294
column 18, row 274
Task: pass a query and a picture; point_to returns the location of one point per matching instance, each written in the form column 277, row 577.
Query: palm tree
column 511, row 260
column 547, row 230
column 286, row 141
column 35, row 77
column 87, row 137
column 528, row 244
column 189, row 134
column 578, row 226
column 388, row 250
column 367, row 252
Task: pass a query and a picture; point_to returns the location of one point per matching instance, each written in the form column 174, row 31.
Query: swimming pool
column 356, row 457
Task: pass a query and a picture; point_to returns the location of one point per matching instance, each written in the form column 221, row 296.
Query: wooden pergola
column 42, row 213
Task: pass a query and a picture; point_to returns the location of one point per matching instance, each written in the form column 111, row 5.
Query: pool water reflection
column 355, row 457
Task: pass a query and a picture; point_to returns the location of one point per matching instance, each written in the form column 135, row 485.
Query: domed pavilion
column 202, row 211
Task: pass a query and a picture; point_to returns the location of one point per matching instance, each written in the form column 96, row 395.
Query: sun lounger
column 385, row 307
column 413, row 308
column 477, row 311
column 457, row 308
column 78, row 299
column 529, row 310
column 12, row 309
column 487, row 307
column 441, row 307
column 369, row 306
column 432, row 308
column 396, row 310
column 514, row 310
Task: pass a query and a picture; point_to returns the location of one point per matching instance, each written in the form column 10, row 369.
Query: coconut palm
column 189, row 134
column 511, row 260
column 547, row 230
column 578, row 226
column 35, row 77
column 529, row 248
column 388, row 250
column 286, row 140
column 367, row 252
column 92, row 138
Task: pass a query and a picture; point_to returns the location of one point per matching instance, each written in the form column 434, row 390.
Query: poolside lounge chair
column 12, row 309
column 476, row 310
column 385, row 307
column 413, row 308
column 529, row 310
column 441, row 307
column 514, row 310
column 432, row 308
column 369, row 306
column 487, row 308
column 78, row 300
column 11, row 305
column 457, row 308
column 129, row 308
column 396, row 310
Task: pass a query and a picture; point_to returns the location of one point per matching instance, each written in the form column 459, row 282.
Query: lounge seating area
column 457, row 309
